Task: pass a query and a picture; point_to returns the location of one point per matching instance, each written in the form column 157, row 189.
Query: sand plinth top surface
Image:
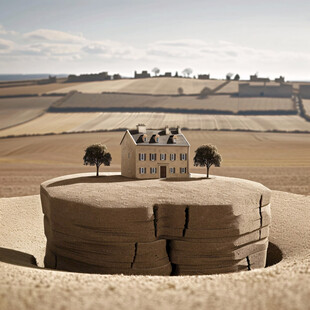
column 120, row 192
column 25, row 285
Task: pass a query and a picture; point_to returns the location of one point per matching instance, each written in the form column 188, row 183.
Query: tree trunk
column 97, row 171
column 208, row 168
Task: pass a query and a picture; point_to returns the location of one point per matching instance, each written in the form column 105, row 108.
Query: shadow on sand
column 93, row 179
column 13, row 257
column 117, row 179
column 18, row 258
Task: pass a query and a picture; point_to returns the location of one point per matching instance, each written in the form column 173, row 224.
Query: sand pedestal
column 113, row 224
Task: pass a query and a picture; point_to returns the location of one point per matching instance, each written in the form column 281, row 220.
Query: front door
column 163, row 171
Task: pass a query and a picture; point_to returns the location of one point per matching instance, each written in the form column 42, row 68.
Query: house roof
column 163, row 139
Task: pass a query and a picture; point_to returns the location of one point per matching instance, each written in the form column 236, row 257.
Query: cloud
column 50, row 47
column 53, row 36
column 5, row 45
column 3, row 31
column 112, row 49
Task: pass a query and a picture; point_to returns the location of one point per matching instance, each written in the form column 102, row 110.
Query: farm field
column 51, row 123
column 75, row 122
column 152, row 86
column 278, row 160
column 306, row 103
column 14, row 111
column 128, row 102
column 34, row 89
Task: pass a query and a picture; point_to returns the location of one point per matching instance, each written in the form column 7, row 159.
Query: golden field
column 76, row 122
column 34, row 89
column 151, row 86
column 306, row 103
column 279, row 161
column 14, row 111
column 193, row 104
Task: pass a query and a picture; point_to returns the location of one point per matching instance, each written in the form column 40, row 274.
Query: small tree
column 156, row 71
column 96, row 155
column 237, row 77
column 228, row 76
column 206, row 156
column 187, row 71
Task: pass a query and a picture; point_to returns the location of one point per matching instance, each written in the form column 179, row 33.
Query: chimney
column 141, row 128
column 179, row 129
column 167, row 131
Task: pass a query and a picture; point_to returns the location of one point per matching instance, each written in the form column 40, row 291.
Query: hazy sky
column 217, row 37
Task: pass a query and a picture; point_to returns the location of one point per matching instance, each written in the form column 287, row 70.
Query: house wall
column 167, row 149
column 128, row 157
column 247, row 90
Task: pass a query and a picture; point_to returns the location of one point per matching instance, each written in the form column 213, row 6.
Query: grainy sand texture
column 285, row 285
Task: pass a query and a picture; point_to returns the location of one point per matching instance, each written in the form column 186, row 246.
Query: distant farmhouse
column 144, row 74
column 255, row 78
column 102, row 76
column 204, row 76
column 167, row 74
column 116, row 76
column 154, row 153
column 248, row 90
column 304, row 91
column 280, row 79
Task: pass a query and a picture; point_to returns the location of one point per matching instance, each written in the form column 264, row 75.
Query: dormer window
column 144, row 138
column 174, row 139
column 157, row 138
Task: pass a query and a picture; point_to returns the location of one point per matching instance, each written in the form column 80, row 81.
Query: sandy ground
column 279, row 161
column 285, row 285
column 73, row 122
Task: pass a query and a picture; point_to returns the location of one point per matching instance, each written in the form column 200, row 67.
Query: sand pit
column 114, row 224
column 284, row 285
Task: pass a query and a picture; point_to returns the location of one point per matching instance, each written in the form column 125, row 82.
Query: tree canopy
column 237, row 77
column 96, row 155
column 206, row 156
column 228, row 76
column 156, row 71
column 187, row 71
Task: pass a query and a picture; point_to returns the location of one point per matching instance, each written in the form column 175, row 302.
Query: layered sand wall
column 113, row 224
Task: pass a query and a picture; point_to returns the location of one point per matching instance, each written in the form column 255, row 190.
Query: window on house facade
column 173, row 157
column 183, row 156
column 182, row 170
column 162, row 156
column 142, row 170
column 142, row 156
column 153, row 156
column 153, row 170
column 172, row 170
